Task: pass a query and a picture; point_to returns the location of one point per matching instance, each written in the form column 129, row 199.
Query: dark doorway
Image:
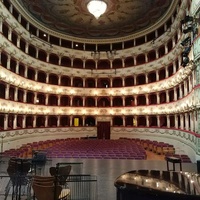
column 103, row 130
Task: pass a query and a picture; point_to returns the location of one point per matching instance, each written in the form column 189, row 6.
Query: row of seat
column 111, row 149
column 160, row 148
column 81, row 148
column 123, row 148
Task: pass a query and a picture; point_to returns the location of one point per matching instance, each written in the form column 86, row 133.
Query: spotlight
column 186, row 60
column 188, row 29
column 187, row 19
column 186, row 51
column 186, row 41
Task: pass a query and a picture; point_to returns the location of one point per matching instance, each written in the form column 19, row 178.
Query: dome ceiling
column 122, row 18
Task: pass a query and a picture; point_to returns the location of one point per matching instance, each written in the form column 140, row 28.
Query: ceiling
column 122, row 18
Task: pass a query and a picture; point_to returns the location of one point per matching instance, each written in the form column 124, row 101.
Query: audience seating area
column 123, row 148
column 102, row 149
column 82, row 148
column 160, row 148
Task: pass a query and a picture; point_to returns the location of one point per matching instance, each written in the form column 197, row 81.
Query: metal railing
column 81, row 187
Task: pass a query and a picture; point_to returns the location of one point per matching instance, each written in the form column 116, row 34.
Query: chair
column 18, row 170
column 62, row 173
column 46, row 188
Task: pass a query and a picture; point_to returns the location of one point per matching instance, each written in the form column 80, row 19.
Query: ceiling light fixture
column 97, row 8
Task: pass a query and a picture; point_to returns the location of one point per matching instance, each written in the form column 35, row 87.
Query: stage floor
column 107, row 170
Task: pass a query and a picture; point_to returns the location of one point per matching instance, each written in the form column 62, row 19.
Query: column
column 37, row 52
column 147, row 99
column 176, row 121
column 24, row 121
column 158, row 120
column 135, row 79
column 35, row 98
column 84, row 82
column 123, row 63
column 166, row 72
column 123, row 101
column 186, row 122
column 18, row 41
column 147, row 121
column 16, row 94
column 146, row 78
column 157, row 75
column 135, row 100
column 7, row 91
column 46, row 99
column 47, row 58
column 5, row 121
column 72, row 78
column 134, row 60
column 9, row 33
column 26, row 71
column 123, row 118
column 96, row 101
column 15, row 122
column 25, row 96
column 17, row 67
column 34, row 121
column 26, row 47
column 1, row 24
column 59, row 100
column 157, row 54
column 123, row 81
column 174, row 67
column 83, row 119
column 71, row 120
column 168, row 121
column 46, row 121
column 58, row 121
column 158, row 98
column 185, row 87
column 180, row 92
column 83, row 98
column 8, row 62
column 182, row 122
column 111, row 81
column 167, row 96
column 175, row 95
column 96, row 82
column 36, row 75
column 111, row 101
column 59, row 79
column 47, row 78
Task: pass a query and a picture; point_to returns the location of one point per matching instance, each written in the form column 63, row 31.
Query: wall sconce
column 186, row 41
column 96, row 55
column 110, row 54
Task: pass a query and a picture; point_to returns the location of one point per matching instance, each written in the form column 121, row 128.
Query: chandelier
column 97, row 7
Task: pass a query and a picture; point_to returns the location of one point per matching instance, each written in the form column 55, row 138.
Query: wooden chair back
column 46, row 192
column 62, row 173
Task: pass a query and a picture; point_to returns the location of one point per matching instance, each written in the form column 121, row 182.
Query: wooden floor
column 107, row 170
